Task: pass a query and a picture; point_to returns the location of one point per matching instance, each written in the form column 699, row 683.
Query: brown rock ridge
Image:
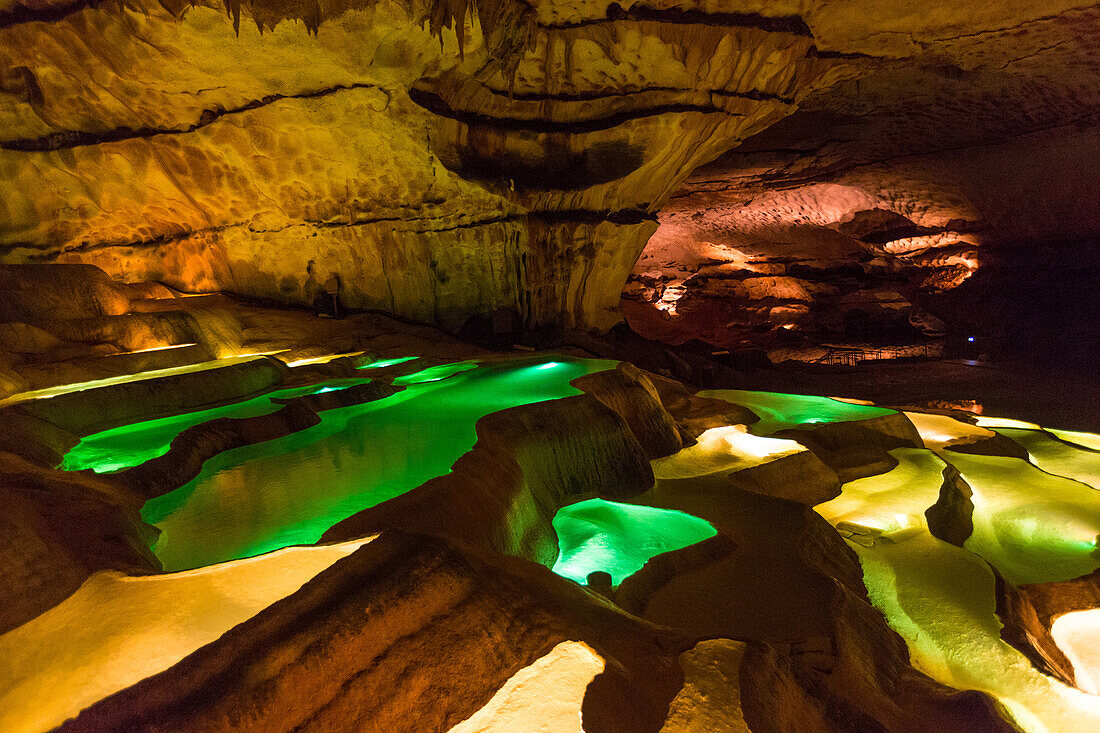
column 778, row 573
column 1028, row 612
column 351, row 648
column 951, row 518
column 859, row 448
column 88, row 411
column 56, row 529
column 629, row 392
column 72, row 323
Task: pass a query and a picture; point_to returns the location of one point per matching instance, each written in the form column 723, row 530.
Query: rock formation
column 887, row 207
column 443, row 612
column 508, row 162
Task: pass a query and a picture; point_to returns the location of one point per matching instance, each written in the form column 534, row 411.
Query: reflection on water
column 778, row 411
column 290, row 490
column 620, row 538
column 131, row 445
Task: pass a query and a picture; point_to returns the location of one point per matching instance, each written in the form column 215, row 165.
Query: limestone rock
column 630, row 393
column 350, row 647
column 527, row 462
column 801, row 477
column 951, row 518
column 57, row 530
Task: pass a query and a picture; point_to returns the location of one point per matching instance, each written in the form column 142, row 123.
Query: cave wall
column 440, row 174
column 945, row 196
column 507, row 161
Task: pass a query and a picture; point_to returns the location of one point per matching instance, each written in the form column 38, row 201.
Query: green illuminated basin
column 1034, row 527
column 435, row 373
column 288, row 491
column 940, row 598
column 620, row 538
column 130, row 445
column 778, row 411
column 1061, row 457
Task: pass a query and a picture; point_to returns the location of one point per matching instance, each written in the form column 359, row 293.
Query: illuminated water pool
column 290, row 490
column 1062, row 457
column 940, row 598
column 778, row 411
column 620, row 538
column 130, row 445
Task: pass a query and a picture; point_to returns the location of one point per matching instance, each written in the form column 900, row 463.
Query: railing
column 851, row 357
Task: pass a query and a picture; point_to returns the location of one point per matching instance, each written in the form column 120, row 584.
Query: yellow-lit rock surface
column 448, row 177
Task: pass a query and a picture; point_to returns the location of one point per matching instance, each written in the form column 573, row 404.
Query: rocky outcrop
column 1029, row 633
column 826, row 638
column 508, row 162
column 878, row 217
column 350, row 649
column 951, row 518
column 801, row 477
column 857, row 448
column 696, row 414
column 73, row 323
column 57, row 529
column 997, row 445
column 118, row 404
column 1028, row 613
column 629, row 392
column 522, row 150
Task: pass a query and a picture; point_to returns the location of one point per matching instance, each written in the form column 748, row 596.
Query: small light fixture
column 970, row 339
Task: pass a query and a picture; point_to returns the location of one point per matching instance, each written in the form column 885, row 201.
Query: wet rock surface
column 777, row 589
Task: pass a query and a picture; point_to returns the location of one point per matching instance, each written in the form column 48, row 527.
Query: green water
column 620, row 538
column 1057, row 457
column 1033, row 526
column 436, row 373
column 131, row 445
column 778, row 411
column 290, row 490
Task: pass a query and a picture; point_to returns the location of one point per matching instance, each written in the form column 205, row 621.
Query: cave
column 539, row 366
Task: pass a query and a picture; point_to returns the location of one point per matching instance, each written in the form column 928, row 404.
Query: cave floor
column 776, row 549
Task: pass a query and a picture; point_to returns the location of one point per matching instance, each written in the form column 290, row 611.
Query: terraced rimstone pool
column 1056, row 452
column 1032, row 525
column 131, row 445
column 290, row 490
column 778, row 411
column 598, row 535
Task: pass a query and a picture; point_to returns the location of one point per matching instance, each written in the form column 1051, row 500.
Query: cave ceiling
column 510, row 161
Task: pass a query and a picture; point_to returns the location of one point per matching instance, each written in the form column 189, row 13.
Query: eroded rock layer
column 945, row 193
column 504, row 164
column 509, row 162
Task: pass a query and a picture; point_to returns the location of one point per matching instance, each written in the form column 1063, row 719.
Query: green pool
column 131, row 445
column 620, row 538
column 778, row 411
column 290, row 490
